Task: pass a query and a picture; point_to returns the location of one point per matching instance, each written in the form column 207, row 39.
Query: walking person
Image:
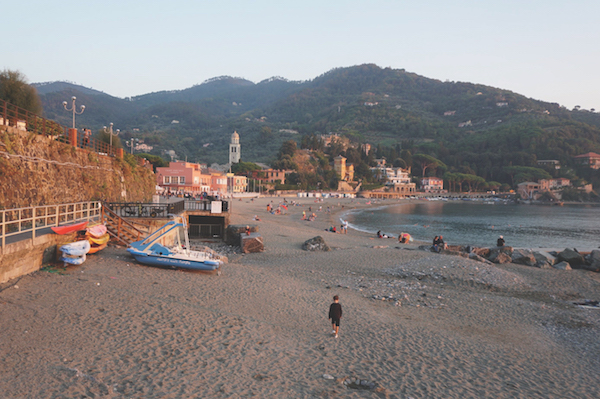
column 335, row 314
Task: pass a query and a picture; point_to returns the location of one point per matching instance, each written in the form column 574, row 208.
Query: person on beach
column 335, row 314
column 344, row 227
column 500, row 242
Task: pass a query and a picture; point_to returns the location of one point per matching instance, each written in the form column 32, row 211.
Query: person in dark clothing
column 500, row 242
column 335, row 314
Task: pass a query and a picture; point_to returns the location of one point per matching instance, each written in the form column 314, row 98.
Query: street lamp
column 131, row 143
column 110, row 132
column 74, row 109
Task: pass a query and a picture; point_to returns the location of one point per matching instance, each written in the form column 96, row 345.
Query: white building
column 235, row 150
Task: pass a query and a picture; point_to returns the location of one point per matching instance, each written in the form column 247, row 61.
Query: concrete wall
column 28, row 256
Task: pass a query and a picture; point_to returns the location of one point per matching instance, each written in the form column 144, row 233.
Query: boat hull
column 171, row 262
column 69, row 228
column 77, row 248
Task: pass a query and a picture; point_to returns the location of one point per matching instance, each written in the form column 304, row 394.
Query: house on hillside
column 554, row 184
column 397, row 179
column 590, row 159
column 553, row 163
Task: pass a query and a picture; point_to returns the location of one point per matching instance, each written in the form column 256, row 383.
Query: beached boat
column 98, row 241
column 152, row 251
column 95, row 248
column 96, row 231
column 77, row 248
column 69, row 228
column 75, row 260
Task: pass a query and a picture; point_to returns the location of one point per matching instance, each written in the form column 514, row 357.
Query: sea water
column 480, row 224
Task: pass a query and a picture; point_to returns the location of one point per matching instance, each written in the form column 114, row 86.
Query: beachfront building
column 397, row 180
column 529, row 190
column 235, row 149
column 236, row 184
column 344, row 171
column 554, row 184
column 590, row 159
column 432, row 185
column 271, row 175
column 183, row 177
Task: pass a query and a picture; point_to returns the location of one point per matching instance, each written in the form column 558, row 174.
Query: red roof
column 588, row 155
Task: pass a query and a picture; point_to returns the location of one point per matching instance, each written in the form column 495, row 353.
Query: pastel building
column 432, row 184
column 183, row 177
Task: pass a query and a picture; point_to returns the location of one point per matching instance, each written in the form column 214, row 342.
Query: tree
column 288, row 148
column 244, row 167
column 15, row 90
column 427, row 161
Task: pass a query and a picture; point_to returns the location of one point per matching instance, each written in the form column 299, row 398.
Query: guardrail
column 146, row 210
column 204, row 205
column 21, row 119
column 32, row 220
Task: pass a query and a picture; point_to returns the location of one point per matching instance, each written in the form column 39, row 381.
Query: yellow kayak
column 99, row 241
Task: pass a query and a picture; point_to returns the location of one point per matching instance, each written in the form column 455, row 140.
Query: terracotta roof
column 588, row 155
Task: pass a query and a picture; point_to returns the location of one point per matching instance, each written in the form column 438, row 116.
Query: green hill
column 472, row 128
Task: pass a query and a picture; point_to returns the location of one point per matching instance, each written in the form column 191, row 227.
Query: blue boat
column 153, row 251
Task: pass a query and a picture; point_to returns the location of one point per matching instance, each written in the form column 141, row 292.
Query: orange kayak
column 69, row 228
column 96, row 248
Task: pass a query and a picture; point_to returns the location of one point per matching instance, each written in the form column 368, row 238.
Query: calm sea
column 479, row 224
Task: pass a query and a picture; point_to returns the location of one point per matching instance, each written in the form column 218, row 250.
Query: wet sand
column 416, row 324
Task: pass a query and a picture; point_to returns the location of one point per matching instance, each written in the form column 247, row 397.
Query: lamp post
column 110, row 132
column 131, row 143
column 74, row 109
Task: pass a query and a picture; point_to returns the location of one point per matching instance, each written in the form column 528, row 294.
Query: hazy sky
column 548, row 50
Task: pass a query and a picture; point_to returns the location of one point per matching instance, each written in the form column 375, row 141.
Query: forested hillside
column 470, row 128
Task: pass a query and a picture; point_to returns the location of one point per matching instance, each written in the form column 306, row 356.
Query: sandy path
column 114, row 328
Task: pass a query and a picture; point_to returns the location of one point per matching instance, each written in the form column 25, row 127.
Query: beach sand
column 415, row 324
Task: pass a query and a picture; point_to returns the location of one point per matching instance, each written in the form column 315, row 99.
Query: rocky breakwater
column 567, row 259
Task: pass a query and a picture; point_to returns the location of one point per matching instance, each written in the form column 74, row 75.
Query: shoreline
column 415, row 324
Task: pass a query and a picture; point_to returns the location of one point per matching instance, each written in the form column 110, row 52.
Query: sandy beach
column 415, row 324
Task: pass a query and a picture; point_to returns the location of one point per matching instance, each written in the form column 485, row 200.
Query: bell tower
column 235, row 150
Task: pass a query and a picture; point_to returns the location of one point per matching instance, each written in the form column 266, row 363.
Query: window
column 196, row 180
column 167, row 179
column 181, row 179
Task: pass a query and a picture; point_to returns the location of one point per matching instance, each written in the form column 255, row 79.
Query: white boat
column 151, row 251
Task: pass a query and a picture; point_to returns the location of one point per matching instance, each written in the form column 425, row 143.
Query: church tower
column 235, row 150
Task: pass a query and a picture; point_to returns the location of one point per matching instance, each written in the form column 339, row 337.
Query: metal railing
column 38, row 219
column 21, row 119
column 146, row 210
column 11, row 115
column 204, row 205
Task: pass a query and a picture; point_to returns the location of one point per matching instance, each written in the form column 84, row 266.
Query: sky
column 546, row 50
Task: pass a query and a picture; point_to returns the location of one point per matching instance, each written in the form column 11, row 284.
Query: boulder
column 495, row 252
column 500, row 257
column 544, row 258
column 562, row 266
column 233, row 232
column 315, row 244
column 593, row 261
column 523, row 257
column 251, row 243
column 484, row 252
column 571, row 256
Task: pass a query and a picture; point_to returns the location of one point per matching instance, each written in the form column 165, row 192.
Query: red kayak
column 69, row 228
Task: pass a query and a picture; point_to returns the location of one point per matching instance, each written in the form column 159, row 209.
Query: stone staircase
column 120, row 229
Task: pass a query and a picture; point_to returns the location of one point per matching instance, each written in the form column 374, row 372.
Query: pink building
column 432, row 184
column 184, row 177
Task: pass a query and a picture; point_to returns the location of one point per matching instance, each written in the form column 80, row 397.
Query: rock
column 593, row 261
column 571, row 256
column 543, row 258
column 233, row 232
column 496, row 251
column 251, row 243
column 523, row 257
column 562, row 266
column 328, row 376
column 428, row 248
column 315, row 244
column 500, row 257
column 483, row 252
